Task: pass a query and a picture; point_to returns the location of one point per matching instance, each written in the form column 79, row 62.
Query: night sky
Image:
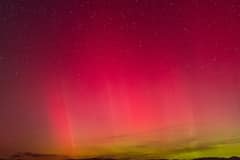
column 123, row 77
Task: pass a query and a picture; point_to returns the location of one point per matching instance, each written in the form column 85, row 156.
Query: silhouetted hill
column 217, row 158
column 35, row 156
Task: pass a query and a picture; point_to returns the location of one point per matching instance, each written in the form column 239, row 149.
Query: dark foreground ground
column 32, row 156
